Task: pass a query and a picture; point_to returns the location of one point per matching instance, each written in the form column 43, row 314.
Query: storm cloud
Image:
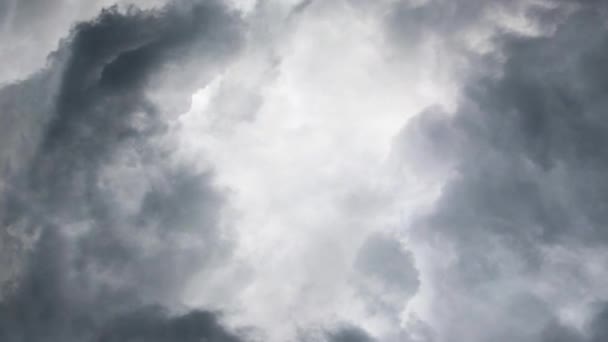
column 315, row 171
column 99, row 261
column 524, row 151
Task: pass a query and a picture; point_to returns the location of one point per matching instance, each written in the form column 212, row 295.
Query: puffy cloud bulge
column 338, row 171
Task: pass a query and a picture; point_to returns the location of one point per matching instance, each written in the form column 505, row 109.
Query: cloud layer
column 338, row 171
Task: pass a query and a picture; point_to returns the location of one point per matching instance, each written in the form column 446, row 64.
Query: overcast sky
column 303, row 171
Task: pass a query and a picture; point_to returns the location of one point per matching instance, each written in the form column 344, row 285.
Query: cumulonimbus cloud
column 98, row 266
column 265, row 171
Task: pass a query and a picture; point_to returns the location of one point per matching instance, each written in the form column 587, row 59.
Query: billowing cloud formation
column 114, row 225
column 331, row 171
column 521, row 210
column 31, row 29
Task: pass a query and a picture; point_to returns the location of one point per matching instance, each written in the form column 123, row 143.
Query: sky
column 303, row 171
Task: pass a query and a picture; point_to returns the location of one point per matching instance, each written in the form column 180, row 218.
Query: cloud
column 349, row 334
column 341, row 332
column 390, row 277
column 522, row 181
column 33, row 29
column 175, row 171
column 154, row 326
column 104, row 224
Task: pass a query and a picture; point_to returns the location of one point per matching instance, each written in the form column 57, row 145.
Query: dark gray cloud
column 417, row 331
column 349, row 334
column 383, row 258
column 412, row 23
column 389, row 276
column 153, row 325
column 415, row 23
column 526, row 161
column 103, row 223
column 595, row 331
column 31, row 29
column 340, row 333
column 542, row 118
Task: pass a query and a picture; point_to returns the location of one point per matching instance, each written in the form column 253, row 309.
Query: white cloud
column 309, row 172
